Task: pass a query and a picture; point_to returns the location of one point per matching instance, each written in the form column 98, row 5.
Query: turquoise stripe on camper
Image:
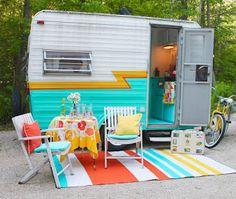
column 46, row 104
column 54, row 146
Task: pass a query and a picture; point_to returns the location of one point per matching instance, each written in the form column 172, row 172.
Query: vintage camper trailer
column 161, row 66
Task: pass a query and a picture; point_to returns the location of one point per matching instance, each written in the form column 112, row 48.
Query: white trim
column 115, row 15
column 67, row 51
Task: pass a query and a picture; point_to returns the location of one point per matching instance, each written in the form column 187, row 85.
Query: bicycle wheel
column 215, row 132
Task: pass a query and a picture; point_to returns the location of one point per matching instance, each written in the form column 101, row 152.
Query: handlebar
column 228, row 100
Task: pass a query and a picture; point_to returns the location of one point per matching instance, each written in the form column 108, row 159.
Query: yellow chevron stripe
column 120, row 82
column 185, row 162
column 202, row 164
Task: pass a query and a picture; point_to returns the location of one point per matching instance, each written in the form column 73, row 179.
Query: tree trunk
column 202, row 13
column 208, row 13
column 184, row 6
column 19, row 84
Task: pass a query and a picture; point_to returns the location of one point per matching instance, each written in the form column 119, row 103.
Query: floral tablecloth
column 82, row 133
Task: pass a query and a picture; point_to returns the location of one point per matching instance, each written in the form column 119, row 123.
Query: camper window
column 65, row 61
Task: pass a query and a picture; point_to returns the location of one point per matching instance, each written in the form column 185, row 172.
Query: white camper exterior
column 108, row 59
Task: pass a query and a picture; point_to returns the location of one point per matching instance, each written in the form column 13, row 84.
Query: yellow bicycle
column 219, row 121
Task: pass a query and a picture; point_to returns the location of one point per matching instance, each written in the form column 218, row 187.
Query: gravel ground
column 13, row 166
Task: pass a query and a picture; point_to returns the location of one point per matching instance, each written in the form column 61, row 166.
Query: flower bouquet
column 74, row 98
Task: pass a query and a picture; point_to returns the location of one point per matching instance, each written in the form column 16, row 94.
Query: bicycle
column 219, row 121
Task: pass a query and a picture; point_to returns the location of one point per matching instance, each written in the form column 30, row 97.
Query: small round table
column 81, row 132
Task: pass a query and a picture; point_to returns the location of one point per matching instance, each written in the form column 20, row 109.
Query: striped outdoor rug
column 158, row 165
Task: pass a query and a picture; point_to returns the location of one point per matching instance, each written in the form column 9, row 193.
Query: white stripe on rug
column 216, row 165
column 80, row 177
column 135, row 167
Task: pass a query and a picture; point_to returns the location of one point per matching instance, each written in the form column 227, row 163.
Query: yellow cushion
column 128, row 125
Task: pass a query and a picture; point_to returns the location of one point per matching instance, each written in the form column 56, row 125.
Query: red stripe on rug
column 115, row 173
column 159, row 174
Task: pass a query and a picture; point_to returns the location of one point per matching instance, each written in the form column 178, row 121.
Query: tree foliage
column 15, row 26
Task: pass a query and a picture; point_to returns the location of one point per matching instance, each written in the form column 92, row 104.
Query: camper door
column 196, row 76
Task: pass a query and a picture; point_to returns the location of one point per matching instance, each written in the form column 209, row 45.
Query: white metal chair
column 49, row 149
column 111, row 119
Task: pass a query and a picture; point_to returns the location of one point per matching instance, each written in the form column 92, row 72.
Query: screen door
column 196, row 76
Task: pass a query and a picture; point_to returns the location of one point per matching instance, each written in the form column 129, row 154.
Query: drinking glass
column 90, row 111
column 83, row 110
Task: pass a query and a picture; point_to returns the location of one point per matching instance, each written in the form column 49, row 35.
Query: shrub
column 6, row 104
column 223, row 89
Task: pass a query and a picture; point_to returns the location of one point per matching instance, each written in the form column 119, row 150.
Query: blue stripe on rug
column 62, row 177
column 169, row 162
column 161, row 166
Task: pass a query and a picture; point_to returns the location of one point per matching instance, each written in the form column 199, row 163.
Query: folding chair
column 48, row 149
column 111, row 118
